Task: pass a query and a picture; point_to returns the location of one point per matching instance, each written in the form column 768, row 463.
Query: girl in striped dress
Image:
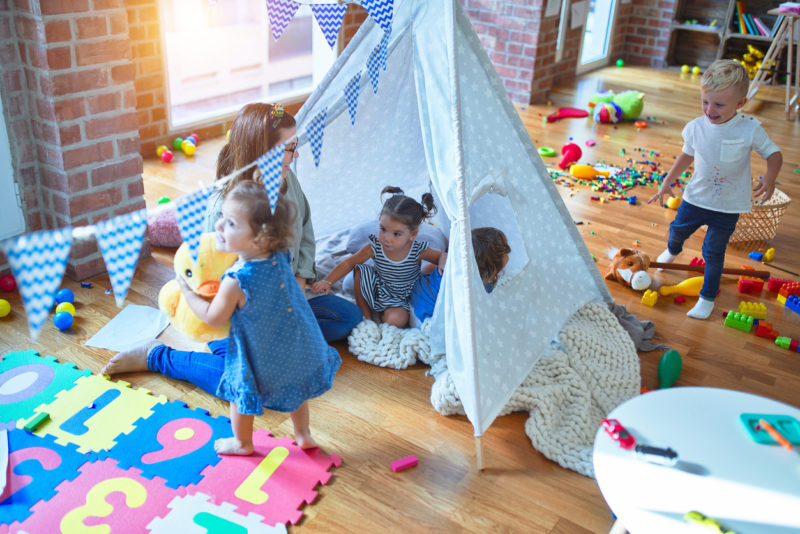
column 385, row 287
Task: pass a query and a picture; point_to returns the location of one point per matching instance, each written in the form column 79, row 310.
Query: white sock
column 702, row 309
column 665, row 257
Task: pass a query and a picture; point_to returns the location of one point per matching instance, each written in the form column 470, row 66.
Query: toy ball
column 166, row 156
column 176, row 144
column 620, row 63
column 5, row 307
column 65, row 295
column 189, row 140
column 8, row 283
column 673, row 202
column 685, row 69
column 195, row 137
column 67, row 307
column 546, row 152
column 160, row 150
column 188, row 147
column 164, row 200
column 669, row 368
column 62, row 320
column 695, row 70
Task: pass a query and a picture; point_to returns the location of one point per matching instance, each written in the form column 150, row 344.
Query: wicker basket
column 761, row 224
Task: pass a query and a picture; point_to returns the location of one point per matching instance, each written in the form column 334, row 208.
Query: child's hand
column 659, row 196
column 184, row 287
column 323, row 286
column 442, row 260
column 763, row 191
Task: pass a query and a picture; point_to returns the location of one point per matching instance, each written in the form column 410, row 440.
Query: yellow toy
column 673, row 202
column 690, row 287
column 649, row 297
column 204, row 279
column 757, row 310
column 769, row 255
column 586, row 172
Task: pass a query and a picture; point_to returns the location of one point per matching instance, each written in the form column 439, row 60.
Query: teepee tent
column 421, row 107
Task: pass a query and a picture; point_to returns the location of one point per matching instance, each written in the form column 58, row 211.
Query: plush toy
column 610, row 107
column 629, row 267
column 203, row 277
column 162, row 227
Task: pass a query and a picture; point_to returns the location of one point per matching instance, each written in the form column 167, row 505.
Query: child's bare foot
column 233, row 446
column 129, row 361
column 305, row 441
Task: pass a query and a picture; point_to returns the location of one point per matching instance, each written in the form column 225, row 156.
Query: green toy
column 610, row 107
column 669, row 368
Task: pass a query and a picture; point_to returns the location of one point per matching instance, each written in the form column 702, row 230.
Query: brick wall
column 74, row 68
column 646, row 36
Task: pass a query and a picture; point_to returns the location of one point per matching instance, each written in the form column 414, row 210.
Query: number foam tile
column 28, row 380
column 175, row 442
column 195, row 514
column 274, row 482
column 102, row 494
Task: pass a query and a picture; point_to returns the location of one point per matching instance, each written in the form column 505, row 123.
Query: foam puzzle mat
column 109, row 458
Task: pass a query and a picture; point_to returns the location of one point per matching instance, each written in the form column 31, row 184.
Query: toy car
column 618, row 433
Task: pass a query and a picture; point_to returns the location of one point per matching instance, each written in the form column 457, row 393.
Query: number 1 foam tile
column 194, row 514
column 175, row 443
column 274, row 482
column 36, row 465
column 95, row 412
column 28, row 380
column 103, row 498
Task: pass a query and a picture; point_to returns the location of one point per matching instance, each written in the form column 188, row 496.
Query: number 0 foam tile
column 274, row 482
column 94, row 412
column 103, row 498
column 194, row 514
column 28, row 380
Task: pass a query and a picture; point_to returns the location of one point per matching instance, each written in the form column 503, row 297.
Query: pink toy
column 162, row 228
column 564, row 113
column 8, row 283
column 572, row 153
column 166, row 156
column 404, row 463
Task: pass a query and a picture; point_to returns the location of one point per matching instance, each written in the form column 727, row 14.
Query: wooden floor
column 373, row 416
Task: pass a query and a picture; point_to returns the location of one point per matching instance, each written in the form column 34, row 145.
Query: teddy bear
column 629, row 267
column 203, row 276
column 610, row 107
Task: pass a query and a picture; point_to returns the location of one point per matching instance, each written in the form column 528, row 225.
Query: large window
column 222, row 57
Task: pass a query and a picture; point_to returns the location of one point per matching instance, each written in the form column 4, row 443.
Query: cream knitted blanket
column 566, row 394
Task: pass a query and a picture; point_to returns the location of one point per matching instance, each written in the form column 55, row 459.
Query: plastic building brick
column 775, row 284
column 756, row 255
column 769, row 255
column 697, row 261
column 680, row 299
column 788, row 343
column 758, row 310
column 787, row 290
column 404, row 463
column 36, row 422
column 764, row 329
column 649, row 297
column 793, row 303
column 748, row 284
column 740, row 321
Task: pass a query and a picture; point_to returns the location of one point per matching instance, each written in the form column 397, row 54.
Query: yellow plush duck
column 203, row 277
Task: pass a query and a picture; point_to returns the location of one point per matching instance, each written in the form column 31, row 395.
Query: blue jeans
column 720, row 227
column 335, row 315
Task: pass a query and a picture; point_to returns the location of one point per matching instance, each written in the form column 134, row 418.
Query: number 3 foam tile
column 274, row 482
column 175, row 443
column 94, row 412
column 28, row 380
column 103, row 498
column 36, row 465
column 194, row 514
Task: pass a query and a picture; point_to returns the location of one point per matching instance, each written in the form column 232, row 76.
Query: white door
column 12, row 221
column 596, row 42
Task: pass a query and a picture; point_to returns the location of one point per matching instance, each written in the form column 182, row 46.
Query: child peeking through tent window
column 491, row 253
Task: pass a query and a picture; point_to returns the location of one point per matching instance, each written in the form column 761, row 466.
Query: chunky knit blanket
column 568, row 392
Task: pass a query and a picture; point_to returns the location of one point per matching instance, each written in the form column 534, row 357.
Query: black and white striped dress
column 388, row 284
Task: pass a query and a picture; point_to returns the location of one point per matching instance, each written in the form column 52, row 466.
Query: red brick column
column 646, row 36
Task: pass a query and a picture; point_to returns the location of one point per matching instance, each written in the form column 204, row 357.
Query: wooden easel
column 786, row 32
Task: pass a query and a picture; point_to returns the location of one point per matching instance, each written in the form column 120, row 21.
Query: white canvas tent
column 441, row 121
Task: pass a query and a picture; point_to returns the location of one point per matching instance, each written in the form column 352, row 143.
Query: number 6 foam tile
column 103, row 498
column 28, row 380
column 94, row 412
column 194, row 514
column 175, row 443
column 274, row 482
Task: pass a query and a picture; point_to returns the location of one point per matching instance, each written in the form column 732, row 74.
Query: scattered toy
column 404, row 463
column 669, row 368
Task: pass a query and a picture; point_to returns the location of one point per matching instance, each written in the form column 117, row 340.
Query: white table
column 722, row 472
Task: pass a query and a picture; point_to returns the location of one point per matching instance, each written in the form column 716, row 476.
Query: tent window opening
column 220, row 57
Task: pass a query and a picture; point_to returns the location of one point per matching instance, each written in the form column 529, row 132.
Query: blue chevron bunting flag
column 38, row 261
column 270, row 165
column 191, row 211
column 351, row 96
column 315, row 131
column 120, row 241
column 381, row 11
column 329, row 17
column 384, row 45
column 374, row 66
column 280, row 14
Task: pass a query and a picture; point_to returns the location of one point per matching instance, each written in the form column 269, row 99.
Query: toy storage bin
column 761, row 224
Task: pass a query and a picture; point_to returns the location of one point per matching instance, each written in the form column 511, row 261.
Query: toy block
column 786, row 290
column 680, row 299
column 793, row 303
column 757, row 310
column 37, row 421
column 795, row 345
column 769, row 255
column 788, row 343
column 404, row 463
column 697, row 261
column 747, row 267
column 748, row 284
column 740, row 321
column 764, row 329
column 649, row 297
column 756, row 255
column 775, row 284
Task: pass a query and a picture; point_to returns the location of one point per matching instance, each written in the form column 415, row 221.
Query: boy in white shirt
column 719, row 190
